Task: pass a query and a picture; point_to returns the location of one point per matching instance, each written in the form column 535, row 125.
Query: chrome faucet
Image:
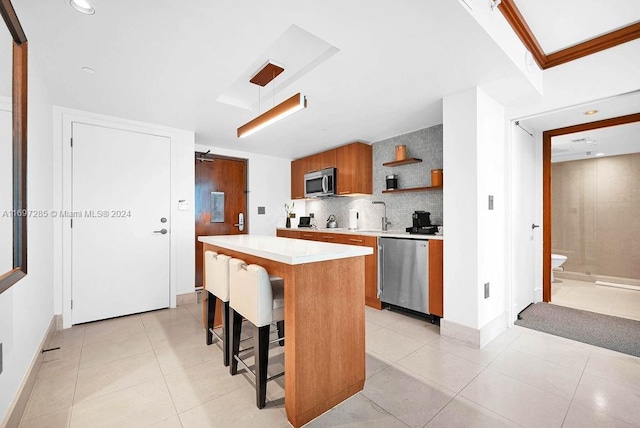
column 385, row 223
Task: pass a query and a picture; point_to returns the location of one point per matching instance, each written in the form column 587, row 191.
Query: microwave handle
column 325, row 184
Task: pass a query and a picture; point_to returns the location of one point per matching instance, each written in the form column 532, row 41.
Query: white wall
column 460, row 208
column 26, row 309
column 475, row 159
column 269, row 185
column 491, row 224
column 182, row 188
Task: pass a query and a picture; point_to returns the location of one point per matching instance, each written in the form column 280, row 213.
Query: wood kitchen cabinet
column 298, row 169
column 370, row 261
column 321, row 160
column 371, row 298
column 436, row 303
column 354, row 164
column 355, row 169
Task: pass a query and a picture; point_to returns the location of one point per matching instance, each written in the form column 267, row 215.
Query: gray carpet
column 605, row 331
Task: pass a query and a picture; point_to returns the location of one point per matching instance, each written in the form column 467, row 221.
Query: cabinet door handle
column 308, row 235
column 355, row 240
column 345, row 192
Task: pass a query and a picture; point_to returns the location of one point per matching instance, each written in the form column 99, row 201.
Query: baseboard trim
column 467, row 335
column 18, row 406
column 188, row 298
column 474, row 337
column 493, row 328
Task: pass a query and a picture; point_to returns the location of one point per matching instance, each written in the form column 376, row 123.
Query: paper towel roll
column 353, row 219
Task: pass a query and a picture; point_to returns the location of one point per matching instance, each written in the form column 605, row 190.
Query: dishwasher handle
column 380, row 269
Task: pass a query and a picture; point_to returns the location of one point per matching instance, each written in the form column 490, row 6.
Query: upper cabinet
column 354, row 168
column 298, row 169
column 322, row 160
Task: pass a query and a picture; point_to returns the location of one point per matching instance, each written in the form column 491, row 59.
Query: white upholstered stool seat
column 217, row 286
column 259, row 298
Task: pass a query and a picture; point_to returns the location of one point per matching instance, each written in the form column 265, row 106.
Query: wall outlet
column 311, row 215
column 486, row 290
column 490, row 202
column 262, row 210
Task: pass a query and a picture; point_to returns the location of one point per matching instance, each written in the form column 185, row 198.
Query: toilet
column 556, row 261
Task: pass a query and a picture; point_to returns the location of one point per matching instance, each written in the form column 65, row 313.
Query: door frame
column 546, row 187
column 62, row 190
column 213, row 156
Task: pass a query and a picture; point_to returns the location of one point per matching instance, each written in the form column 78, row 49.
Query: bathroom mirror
column 13, row 149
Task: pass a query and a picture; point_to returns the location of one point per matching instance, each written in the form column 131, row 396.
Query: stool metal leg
column 211, row 313
column 236, row 329
column 280, row 325
column 226, row 332
column 261, row 349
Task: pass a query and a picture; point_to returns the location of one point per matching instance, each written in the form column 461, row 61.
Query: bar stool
column 259, row 298
column 217, row 286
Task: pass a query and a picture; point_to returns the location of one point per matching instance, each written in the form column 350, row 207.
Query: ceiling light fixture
column 88, row 70
column 262, row 78
column 282, row 110
column 590, row 112
column 82, row 6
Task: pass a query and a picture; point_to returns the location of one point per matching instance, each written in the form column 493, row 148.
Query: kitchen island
column 324, row 316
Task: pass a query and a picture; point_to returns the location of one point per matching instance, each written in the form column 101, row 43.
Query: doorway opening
column 589, row 217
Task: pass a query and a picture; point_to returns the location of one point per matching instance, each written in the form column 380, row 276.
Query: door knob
column 533, row 226
column 162, row 231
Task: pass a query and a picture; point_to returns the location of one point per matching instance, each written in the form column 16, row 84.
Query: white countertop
column 286, row 250
column 369, row 232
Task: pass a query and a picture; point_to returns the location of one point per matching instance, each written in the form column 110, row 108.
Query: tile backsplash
column 425, row 144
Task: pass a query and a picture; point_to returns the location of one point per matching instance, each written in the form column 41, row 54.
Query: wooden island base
column 324, row 331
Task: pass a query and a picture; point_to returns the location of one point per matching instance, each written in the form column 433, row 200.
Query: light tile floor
column 155, row 370
column 596, row 298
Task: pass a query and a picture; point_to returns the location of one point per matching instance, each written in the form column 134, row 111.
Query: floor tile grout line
column 38, row 378
column 75, row 388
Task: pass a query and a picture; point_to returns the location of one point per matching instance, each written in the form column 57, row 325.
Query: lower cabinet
column 436, row 303
column 370, row 262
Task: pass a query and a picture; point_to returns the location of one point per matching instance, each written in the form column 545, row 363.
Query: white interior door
column 121, row 193
column 523, row 191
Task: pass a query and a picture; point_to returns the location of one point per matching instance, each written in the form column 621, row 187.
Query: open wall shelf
column 413, row 189
column 402, row 162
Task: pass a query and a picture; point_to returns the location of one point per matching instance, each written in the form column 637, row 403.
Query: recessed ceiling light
column 88, row 70
column 590, row 112
column 599, row 154
column 82, row 6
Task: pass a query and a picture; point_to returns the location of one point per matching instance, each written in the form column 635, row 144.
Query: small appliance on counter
column 392, row 181
column 332, row 223
column 353, row 219
column 422, row 224
column 305, row 222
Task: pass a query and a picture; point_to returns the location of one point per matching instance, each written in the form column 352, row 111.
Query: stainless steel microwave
column 320, row 183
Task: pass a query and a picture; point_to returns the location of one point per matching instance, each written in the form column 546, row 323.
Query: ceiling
column 602, row 142
column 167, row 62
column 560, row 24
column 610, row 141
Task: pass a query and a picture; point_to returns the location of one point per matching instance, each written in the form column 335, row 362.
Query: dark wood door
column 219, row 174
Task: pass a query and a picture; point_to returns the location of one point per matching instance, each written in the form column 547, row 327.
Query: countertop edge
column 379, row 234
column 353, row 251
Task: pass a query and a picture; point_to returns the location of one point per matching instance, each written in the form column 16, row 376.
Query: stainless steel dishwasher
column 404, row 273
